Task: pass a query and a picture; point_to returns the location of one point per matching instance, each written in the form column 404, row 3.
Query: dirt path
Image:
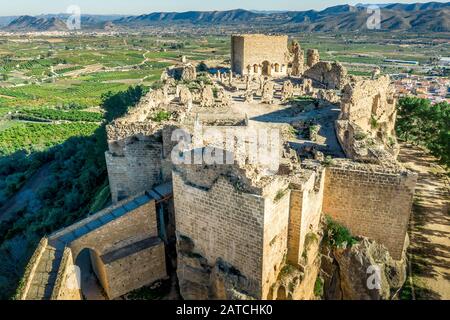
column 25, row 194
column 429, row 228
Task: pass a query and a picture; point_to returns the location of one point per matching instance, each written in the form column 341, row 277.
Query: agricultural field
column 50, row 72
column 361, row 52
column 57, row 71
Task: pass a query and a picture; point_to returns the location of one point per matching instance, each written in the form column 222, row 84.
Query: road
column 25, row 194
column 429, row 252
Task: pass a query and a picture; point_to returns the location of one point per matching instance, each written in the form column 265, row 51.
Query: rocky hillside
column 54, row 22
column 417, row 17
column 29, row 23
column 213, row 17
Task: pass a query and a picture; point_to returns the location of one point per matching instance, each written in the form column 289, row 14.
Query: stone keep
column 259, row 54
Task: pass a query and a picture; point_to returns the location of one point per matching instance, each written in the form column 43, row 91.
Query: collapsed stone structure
column 312, row 57
column 287, row 92
column 182, row 71
column 366, row 126
column 297, row 60
column 331, row 75
column 233, row 228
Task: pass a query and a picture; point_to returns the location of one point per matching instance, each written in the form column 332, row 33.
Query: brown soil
column 429, row 232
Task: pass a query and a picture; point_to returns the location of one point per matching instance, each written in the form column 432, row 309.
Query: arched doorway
column 277, row 67
column 91, row 271
column 281, row 293
column 255, row 68
column 266, row 68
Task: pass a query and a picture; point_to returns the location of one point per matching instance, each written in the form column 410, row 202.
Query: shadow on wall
column 91, row 270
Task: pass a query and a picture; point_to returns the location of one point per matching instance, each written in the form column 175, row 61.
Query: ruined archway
column 91, row 275
column 266, row 68
column 277, row 67
column 281, row 293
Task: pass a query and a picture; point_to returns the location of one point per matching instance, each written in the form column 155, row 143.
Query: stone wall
column 139, row 169
column 66, row 286
column 124, row 130
column 306, row 210
column 134, row 266
column 276, row 221
column 366, row 98
column 139, row 223
column 126, row 253
column 30, row 270
column 330, row 75
column 223, row 223
column 253, row 50
column 366, row 125
column 371, row 203
column 99, row 269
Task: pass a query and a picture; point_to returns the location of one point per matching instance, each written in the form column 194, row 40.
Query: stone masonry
column 240, row 230
column 259, row 54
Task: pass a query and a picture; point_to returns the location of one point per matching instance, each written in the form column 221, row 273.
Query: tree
column 426, row 124
column 202, row 67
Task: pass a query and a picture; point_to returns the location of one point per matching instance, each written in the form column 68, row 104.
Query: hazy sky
column 35, row 7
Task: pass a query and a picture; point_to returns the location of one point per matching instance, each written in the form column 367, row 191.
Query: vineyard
column 36, row 114
column 37, row 136
column 64, row 92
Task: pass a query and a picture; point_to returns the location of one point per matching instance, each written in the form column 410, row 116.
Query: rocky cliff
column 364, row 271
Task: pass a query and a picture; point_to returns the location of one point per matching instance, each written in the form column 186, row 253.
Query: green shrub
column 391, row 142
column 202, row 67
column 293, row 132
column 280, row 194
column 360, row 136
column 318, row 287
column 328, row 161
column 157, row 85
column 373, row 122
column 287, row 270
column 101, row 199
column 336, row 235
column 161, row 116
column 54, row 114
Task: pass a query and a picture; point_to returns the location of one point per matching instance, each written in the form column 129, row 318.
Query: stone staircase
column 44, row 278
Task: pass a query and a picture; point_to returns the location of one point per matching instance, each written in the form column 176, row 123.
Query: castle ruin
column 238, row 229
column 260, row 55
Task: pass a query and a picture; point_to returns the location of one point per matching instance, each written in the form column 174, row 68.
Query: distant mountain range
column 416, row 17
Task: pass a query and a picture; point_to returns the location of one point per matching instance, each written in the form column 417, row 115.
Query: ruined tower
column 259, row 54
